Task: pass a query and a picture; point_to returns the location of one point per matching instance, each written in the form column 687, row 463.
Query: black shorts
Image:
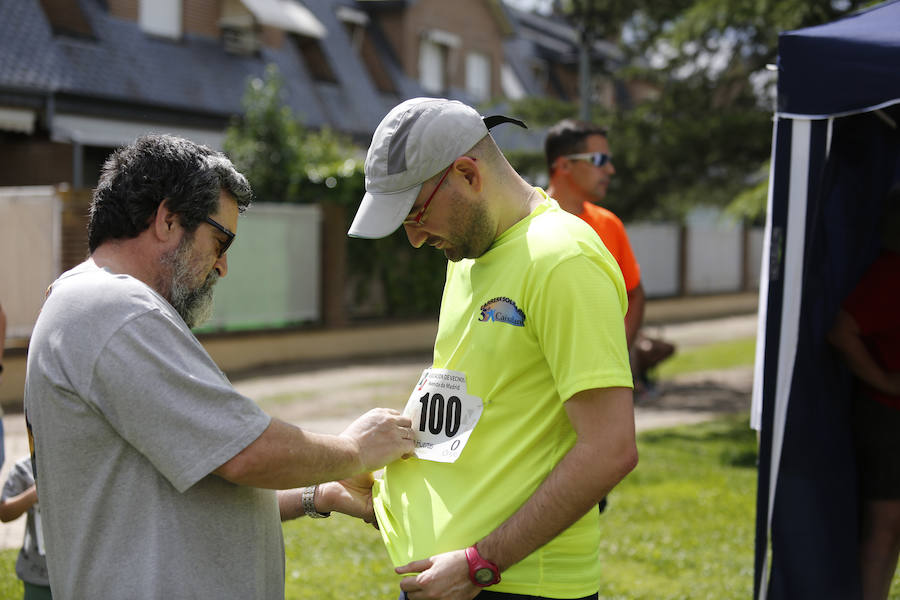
column 876, row 434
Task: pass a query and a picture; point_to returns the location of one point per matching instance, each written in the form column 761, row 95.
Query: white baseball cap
column 414, row 142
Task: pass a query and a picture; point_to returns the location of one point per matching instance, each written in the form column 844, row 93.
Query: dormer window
column 66, row 18
column 239, row 29
column 356, row 23
column 315, row 60
column 435, row 48
column 242, row 21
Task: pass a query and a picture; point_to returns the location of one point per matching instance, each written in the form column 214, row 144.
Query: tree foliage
column 283, row 159
column 705, row 136
column 287, row 162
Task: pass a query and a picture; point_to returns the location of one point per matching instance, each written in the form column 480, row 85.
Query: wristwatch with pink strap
column 482, row 572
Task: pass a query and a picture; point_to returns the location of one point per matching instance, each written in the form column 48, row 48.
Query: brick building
column 80, row 77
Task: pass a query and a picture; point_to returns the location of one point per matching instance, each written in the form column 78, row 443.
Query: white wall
column 713, row 252
column 273, row 266
column 656, row 247
column 754, row 250
column 714, row 259
column 30, row 224
column 273, row 269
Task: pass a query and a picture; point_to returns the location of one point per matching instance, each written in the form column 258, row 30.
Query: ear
column 165, row 222
column 469, row 168
column 561, row 164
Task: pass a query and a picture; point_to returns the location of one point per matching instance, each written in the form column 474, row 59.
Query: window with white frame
column 478, row 76
column 432, row 66
column 434, row 56
column 161, row 17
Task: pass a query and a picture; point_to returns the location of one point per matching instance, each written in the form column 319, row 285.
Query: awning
column 347, row 14
column 444, row 38
column 288, row 15
column 819, row 66
column 110, row 133
column 17, row 119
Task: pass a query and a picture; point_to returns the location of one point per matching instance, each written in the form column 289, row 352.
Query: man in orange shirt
column 580, row 167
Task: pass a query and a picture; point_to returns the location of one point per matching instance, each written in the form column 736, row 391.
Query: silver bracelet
column 308, row 501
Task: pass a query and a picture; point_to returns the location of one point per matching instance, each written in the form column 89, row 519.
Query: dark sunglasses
column 224, row 230
column 598, row 159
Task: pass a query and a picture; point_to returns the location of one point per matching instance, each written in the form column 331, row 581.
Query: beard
column 474, row 234
column 193, row 302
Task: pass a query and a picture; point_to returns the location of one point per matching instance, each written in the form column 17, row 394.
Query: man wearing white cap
column 525, row 420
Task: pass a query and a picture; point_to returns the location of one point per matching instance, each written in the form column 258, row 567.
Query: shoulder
column 880, row 281
column 20, row 476
column 550, row 222
column 88, row 303
column 22, row 468
column 887, row 263
column 597, row 214
column 555, row 235
column 90, row 290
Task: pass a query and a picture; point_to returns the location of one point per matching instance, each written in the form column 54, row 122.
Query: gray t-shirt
column 31, row 565
column 130, row 416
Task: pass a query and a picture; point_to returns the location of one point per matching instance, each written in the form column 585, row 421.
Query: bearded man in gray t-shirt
column 155, row 476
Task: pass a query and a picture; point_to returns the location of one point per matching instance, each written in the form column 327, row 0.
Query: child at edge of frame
column 20, row 496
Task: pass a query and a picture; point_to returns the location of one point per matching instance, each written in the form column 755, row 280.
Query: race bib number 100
column 443, row 414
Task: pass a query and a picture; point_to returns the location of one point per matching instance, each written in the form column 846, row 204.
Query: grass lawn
column 722, row 355
column 680, row 526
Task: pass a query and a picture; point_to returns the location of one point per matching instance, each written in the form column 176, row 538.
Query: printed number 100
column 437, row 416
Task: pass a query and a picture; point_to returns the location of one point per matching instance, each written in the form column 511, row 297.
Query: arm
column 13, row 508
column 846, row 337
column 634, row 318
column 603, row 454
column 285, row 456
column 350, row 496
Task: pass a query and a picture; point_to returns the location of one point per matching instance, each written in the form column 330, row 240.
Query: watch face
column 484, row 575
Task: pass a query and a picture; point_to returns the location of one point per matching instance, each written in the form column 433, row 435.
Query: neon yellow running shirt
column 536, row 319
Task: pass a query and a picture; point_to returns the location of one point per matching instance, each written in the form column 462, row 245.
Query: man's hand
column 351, row 496
column 382, row 435
column 441, row 577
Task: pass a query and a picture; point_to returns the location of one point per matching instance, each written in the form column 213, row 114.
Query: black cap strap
column 493, row 120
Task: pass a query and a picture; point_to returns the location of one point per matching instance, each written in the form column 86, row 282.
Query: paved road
column 326, row 398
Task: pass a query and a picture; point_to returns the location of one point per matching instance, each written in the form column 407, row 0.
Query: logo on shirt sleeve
column 502, row 310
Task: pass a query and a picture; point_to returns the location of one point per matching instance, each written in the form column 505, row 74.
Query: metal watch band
column 308, row 501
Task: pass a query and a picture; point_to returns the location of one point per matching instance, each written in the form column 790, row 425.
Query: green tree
column 287, row 162
column 284, row 160
column 706, row 136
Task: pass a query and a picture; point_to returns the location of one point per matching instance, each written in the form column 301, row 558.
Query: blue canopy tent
column 835, row 155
